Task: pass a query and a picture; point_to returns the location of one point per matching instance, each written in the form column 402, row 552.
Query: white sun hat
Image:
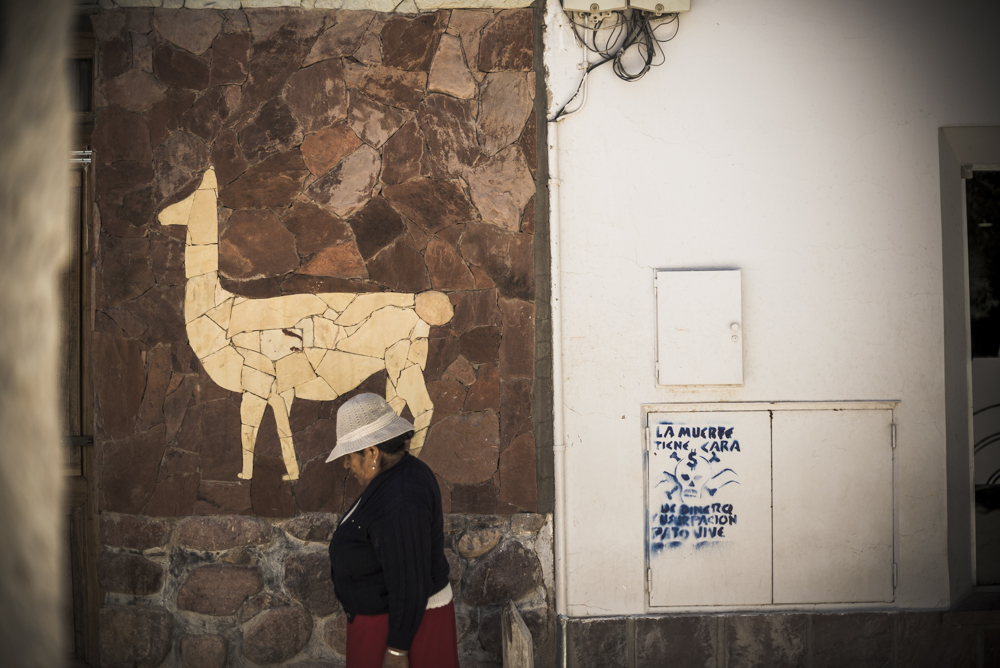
column 366, row 420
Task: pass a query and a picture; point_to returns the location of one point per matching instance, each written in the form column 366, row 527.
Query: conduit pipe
column 561, row 517
column 558, row 415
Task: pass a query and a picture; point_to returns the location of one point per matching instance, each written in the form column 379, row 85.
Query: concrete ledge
column 398, row 6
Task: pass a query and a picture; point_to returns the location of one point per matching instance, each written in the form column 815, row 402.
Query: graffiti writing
column 687, row 504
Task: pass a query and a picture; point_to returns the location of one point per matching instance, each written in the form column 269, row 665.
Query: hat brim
column 345, row 446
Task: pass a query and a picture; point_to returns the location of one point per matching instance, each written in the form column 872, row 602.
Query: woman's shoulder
column 409, row 484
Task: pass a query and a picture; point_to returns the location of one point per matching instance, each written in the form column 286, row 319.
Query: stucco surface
column 797, row 142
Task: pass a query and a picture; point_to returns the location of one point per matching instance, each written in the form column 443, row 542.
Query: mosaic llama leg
column 281, row 404
column 412, row 390
column 251, row 413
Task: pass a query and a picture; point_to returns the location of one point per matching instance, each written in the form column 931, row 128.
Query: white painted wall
column 796, row 140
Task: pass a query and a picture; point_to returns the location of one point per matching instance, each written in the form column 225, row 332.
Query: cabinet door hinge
column 649, row 580
column 892, row 429
column 649, row 438
column 895, row 576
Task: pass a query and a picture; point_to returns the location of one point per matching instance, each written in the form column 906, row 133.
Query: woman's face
column 363, row 465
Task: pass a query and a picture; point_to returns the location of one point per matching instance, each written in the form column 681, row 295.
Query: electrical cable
column 633, row 32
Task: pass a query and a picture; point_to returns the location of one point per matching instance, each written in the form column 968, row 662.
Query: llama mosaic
column 314, row 347
column 295, row 206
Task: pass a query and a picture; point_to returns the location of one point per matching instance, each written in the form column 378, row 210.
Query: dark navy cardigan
column 388, row 556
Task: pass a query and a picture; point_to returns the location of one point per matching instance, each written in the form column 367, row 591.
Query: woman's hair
column 394, row 445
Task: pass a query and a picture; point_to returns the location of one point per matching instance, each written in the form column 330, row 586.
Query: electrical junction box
column 661, row 6
column 594, row 6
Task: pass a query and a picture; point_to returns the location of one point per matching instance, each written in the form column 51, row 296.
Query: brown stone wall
column 355, row 152
column 234, row 590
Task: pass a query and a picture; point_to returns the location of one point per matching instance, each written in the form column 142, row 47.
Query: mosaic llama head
column 316, row 347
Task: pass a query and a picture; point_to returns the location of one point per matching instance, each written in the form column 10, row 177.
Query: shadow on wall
column 353, row 152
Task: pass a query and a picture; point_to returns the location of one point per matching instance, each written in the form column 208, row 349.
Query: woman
column 387, row 555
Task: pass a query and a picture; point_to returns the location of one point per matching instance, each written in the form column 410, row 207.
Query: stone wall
column 354, row 152
column 233, row 590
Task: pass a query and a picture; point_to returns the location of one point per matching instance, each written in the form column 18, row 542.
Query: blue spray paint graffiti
column 695, row 474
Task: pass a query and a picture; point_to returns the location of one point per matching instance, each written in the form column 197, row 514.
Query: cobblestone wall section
column 208, row 592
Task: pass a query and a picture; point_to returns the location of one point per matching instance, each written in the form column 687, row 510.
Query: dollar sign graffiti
column 691, row 460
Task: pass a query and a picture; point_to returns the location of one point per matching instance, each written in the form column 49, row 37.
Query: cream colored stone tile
column 421, row 330
column 240, row 300
column 177, row 214
column 209, row 182
column 289, row 397
column 330, row 314
column 398, row 404
column 418, row 353
column 411, row 387
column 278, row 343
column 200, row 260
column 248, row 340
column 280, row 409
column 248, row 435
column 423, row 421
column 316, row 389
column 199, row 295
column 395, row 356
column 338, row 301
column 225, row 368
column 326, row 334
column 205, row 337
column 420, row 424
column 257, row 361
column 315, row 356
column 221, row 294
column 364, row 305
column 407, row 7
column 293, row 370
column 220, row 314
column 434, row 307
column 384, row 328
column 306, row 327
column 353, row 328
column 274, row 313
column 257, row 382
column 252, row 410
column 203, row 225
column 344, row 371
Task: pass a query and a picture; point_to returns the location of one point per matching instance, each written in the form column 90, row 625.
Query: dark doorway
column 982, row 196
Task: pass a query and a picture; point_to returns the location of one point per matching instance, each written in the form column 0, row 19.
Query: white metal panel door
column 832, row 475
column 699, row 327
column 709, row 508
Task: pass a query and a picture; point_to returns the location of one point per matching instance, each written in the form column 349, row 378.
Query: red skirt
column 434, row 646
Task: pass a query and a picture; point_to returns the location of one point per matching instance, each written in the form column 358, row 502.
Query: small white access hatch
column 699, row 328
